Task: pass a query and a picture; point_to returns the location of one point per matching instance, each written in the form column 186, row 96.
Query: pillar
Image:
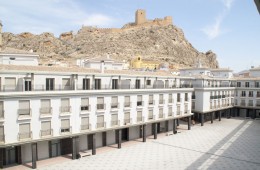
column 104, row 138
column 219, row 115
column 50, row 149
column 19, row 154
column 141, row 131
column 94, row 144
column 1, row 158
column 174, row 126
column 202, row 119
column 119, row 138
column 166, row 125
column 34, row 155
column 155, row 130
column 178, row 122
column 211, row 116
column 144, row 133
column 189, row 122
column 75, row 147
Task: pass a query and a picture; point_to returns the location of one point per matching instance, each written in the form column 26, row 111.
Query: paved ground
column 229, row 144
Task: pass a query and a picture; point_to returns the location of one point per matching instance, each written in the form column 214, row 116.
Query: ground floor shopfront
column 88, row 143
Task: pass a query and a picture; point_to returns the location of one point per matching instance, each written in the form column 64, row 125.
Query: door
column 86, row 84
column 115, row 84
column 27, row 85
column 10, row 156
column 125, row 134
column 137, row 84
column 90, row 144
column 50, row 84
column 55, row 149
column 66, row 146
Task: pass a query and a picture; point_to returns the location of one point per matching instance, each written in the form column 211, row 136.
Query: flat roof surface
column 228, row 144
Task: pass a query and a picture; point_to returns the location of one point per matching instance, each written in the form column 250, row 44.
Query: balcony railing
column 65, row 109
column 2, row 114
column 23, row 113
column 47, row 132
column 24, row 136
column 85, row 127
column 115, row 122
column 101, row 106
column 101, row 125
column 85, row 108
column 127, row 121
column 45, row 110
column 65, row 130
column 2, row 138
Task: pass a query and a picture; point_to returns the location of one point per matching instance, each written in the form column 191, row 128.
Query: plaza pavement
column 229, row 144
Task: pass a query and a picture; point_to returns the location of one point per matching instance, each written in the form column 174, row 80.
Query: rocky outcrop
column 164, row 43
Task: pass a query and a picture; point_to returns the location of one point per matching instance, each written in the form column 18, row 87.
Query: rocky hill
column 156, row 42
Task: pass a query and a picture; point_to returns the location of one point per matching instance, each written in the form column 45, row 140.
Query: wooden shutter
column 100, row 119
column 84, row 120
column 24, row 128
column 84, row 102
column 46, row 125
column 100, row 100
column 114, row 117
column 45, row 103
column 139, row 98
column 139, row 113
column 10, row 82
column 65, row 102
column 65, row 123
column 24, row 104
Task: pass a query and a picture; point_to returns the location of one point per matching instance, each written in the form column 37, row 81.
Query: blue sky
column 230, row 28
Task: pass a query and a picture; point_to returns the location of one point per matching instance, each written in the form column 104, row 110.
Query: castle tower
column 140, row 16
column 1, row 39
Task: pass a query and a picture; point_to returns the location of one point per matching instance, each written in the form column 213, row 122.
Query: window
column 24, row 131
column 114, row 119
column 86, row 84
column 114, row 103
column 160, row 112
column 150, row 114
column 85, row 123
column 247, row 84
column 65, row 126
column 186, row 97
column 243, row 94
column 100, row 103
column 178, row 110
column 169, row 111
column 10, row 83
column 27, row 85
column 2, row 134
column 139, row 116
column 49, row 84
column 115, row 84
column 45, row 106
column 170, row 98
column 238, row 84
column 84, row 104
column 258, row 94
column 100, row 121
column 251, row 94
column 257, row 84
column 161, row 99
column 65, row 84
column 1, row 109
column 178, row 97
column 97, row 84
column 127, row 118
column 194, row 96
column 24, row 108
column 65, row 105
column 137, row 84
column 148, row 82
column 150, row 99
column 139, row 100
column 186, row 109
column 127, row 101
column 46, row 128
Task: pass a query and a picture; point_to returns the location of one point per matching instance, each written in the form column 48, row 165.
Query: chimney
column 102, row 66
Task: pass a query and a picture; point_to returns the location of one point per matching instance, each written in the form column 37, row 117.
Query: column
column 94, row 144
column 219, row 115
column 144, row 133
column 174, row 126
column 178, row 122
column 19, row 154
column 211, row 116
column 166, row 125
column 75, row 147
column 155, row 131
column 1, row 158
column 202, row 119
column 34, row 155
column 50, row 149
column 119, row 138
column 141, row 131
column 189, row 122
column 104, row 138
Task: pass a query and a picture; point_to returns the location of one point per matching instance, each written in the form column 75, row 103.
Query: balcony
column 115, row 123
column 127, row 121
column 2, row 138
column 101, row 125
column 45, row 111
column 84, row 108
column 46, row 133
column 101, row 106
column 24, row 114
column 64, row 130
column 114, row 105
column 85, row 127
column 65, row 110
column 25, row 136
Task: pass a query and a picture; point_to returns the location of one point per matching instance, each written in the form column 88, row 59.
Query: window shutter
column 139, row 113
column 45, row 103
column 150, row 98
column 161, row 97
column 127, row 99
column 139, row 98
column 127, row 115
column 100, row 119
column 84, row 121
column 100, row 100
column 65, row 123
column 65, row 102
column 114, row 100
column 24, row 128
column 24, row 104
column 150, row 113
column 161, row 111
column 84, row 102
column 1, row 130
column 170, row 96
column 46, row 125
column 1, row 106
column 114, row 117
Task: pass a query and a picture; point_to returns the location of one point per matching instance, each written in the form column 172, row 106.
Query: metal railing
column 65, row 130
column 65, row 109
column 25, row 135
column 46, row 110
column 47, row 132
column 85, row 127
column 101, row 125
